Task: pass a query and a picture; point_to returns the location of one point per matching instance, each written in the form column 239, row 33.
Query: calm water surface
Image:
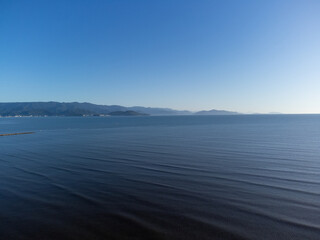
column 183, row 177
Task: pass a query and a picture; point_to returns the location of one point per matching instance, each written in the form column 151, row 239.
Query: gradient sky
column 246, row 56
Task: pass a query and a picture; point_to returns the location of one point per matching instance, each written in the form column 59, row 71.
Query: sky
column 248, row 56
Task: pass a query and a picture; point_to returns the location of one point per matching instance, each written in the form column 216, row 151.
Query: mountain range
column 89, row 109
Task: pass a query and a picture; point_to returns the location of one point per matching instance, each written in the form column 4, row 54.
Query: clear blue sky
column 247, row 56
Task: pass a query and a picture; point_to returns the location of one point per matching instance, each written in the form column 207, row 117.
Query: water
column 183, row 177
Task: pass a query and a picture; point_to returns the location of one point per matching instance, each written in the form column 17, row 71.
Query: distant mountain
column 216, row 112
column 62, row 109
column 126, row 113
column 159, row 111
column 89, row 109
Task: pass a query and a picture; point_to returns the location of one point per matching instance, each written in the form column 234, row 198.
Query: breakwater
column 12, row 134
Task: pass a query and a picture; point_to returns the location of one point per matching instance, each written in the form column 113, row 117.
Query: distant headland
column 31, row 109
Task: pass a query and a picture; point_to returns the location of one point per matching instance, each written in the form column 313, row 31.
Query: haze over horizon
column 245, row 56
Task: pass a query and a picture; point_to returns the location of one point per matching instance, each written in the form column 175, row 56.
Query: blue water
column 183, row 177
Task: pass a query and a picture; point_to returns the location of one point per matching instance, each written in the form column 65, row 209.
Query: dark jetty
column 11, row 134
